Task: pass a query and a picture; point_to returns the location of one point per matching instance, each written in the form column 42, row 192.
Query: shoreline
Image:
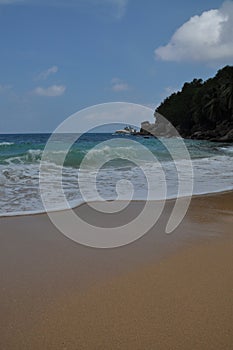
column 166, row 291
column 76, row 206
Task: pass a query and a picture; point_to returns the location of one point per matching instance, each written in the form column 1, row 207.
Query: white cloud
column 45, row 74
column 119, row 85
column 205, row 38
column 51, row 91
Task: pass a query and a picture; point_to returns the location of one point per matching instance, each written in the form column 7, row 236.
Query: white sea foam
column 19, row 183
column 227, row 149
column 6, row 143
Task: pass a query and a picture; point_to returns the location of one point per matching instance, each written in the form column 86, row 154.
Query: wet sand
column 160, row 292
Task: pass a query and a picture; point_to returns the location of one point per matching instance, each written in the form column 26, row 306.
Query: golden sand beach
column 160, row 292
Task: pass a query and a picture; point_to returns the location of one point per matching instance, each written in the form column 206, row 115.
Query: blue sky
column 59, row 56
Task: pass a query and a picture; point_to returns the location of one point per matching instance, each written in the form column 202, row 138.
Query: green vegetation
column 203, row 109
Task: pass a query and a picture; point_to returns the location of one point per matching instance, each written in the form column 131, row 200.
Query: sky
column 60, row 56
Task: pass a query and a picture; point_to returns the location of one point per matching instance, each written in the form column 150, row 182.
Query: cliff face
column 203, row 110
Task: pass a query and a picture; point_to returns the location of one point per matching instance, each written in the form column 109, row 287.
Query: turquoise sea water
column 20, row 157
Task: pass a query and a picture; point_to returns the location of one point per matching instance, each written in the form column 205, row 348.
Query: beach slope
column 160, row 292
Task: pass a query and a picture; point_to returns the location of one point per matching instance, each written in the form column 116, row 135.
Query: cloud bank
column 51, row 91
column 204, row 38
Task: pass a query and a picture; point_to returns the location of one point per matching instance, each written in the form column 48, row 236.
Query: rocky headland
column 201, row 110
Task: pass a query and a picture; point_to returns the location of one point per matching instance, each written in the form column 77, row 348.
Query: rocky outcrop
column 223, row 132
column 228, row 137
column 160, row 128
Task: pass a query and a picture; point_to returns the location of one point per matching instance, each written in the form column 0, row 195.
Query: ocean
column 20, row 157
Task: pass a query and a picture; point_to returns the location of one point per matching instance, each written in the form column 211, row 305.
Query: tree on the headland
column 201, row 106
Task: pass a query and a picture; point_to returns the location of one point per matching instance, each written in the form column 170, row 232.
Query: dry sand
column 160, row 292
